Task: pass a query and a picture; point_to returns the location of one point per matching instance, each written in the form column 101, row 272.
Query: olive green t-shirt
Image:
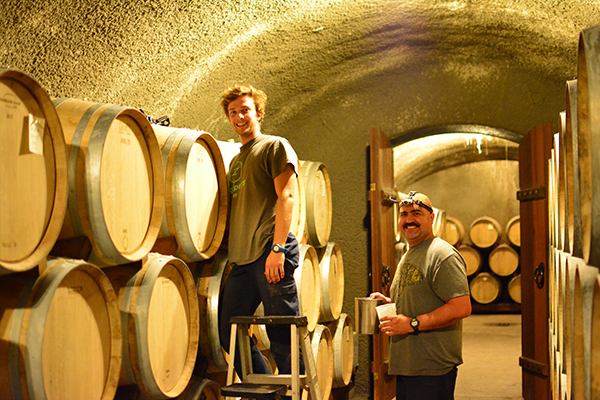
column 252, row 196
column 429, row 274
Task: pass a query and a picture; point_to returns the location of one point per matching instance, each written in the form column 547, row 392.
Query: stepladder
column 262, row 386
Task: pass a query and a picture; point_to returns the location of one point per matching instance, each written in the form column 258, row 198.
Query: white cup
column 386, row 309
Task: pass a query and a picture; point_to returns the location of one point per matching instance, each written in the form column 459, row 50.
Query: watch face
column 278, row 249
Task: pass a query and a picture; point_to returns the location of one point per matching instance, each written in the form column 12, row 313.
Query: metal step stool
column 264, row 387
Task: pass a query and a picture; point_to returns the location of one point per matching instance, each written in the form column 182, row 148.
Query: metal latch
column 538, row 276
column 385, row 275
column 389, row 197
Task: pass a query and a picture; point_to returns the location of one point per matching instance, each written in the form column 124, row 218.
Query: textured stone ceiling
column 171, row 57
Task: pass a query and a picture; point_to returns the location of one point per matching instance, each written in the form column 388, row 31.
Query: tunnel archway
column 468, row 170
column 424, row 151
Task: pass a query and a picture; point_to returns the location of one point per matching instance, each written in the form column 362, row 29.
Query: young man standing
column 262, row 251
column 431, row 293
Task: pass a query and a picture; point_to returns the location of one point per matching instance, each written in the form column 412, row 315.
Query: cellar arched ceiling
column 392, row 63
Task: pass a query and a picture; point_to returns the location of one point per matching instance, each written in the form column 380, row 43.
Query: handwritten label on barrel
column 34, row 137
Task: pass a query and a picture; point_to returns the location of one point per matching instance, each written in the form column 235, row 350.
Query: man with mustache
column 431, row 294
column 262, row 250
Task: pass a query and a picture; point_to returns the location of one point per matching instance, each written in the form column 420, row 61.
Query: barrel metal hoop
column 72, row 166
column 166, row 151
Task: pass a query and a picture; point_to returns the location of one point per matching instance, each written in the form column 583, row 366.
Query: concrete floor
column 491, row 350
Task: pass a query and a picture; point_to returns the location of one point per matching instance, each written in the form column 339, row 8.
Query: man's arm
column 452, row 311
column 284, row 187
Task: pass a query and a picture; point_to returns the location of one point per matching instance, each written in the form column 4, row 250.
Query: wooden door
column 383, row 253
column 534, row 152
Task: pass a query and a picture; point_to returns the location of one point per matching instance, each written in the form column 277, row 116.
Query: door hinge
column 532, row 194
column 533, row 366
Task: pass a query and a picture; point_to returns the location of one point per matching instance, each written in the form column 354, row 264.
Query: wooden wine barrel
column 485, row 288
column 33, row 166
column 321, row 344
column 210, row 277
column 472, row 258
column 331, row 266
column 588, row 123
column 298, row 225
column 554, row 195
column 514, row 289
column 513, row 231
column 572, row 166
column 159, row 313
column 308, row 283
column 564, row 191
column 60, row 334
column 504, row 260
column 485, row 232
column 561, row 272
column 552, row 285
column 595, row 342
column 195, row 191
column 201, row 389
column 318, row 203
column 342, row 334
column 561, row 188
column 439, row 222
column 229, row 149
column 569, row 321
column 454, row 231
column 115, row 178
column 585, row 279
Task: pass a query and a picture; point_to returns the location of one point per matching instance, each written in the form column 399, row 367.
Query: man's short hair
column 233, row 93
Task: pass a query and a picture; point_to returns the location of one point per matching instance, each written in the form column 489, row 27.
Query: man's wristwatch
column 414, row 323
column 278, row 249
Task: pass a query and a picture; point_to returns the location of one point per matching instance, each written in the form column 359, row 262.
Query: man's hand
column 380, row 296
column 274, row 271
column 395, row 325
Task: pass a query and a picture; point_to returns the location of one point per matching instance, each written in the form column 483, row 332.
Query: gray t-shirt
column 252, row 196
column 428, row 275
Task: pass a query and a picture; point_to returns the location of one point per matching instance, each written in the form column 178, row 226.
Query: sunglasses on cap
column 411, row 200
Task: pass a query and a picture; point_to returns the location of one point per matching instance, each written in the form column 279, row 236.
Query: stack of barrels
column 112, row 253
column 573, row 201
column 492, row 257
column 320, row 280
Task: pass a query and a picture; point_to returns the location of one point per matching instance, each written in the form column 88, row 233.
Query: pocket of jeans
column 282, row 288
column 283, row 298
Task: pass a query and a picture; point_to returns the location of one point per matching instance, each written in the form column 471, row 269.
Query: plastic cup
column 386, row 309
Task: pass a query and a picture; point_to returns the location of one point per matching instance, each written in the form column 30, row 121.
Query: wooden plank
column 534, row 153
column 383, row 252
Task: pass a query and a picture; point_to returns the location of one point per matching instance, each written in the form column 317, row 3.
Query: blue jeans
column 426, row 387
column 246, row 287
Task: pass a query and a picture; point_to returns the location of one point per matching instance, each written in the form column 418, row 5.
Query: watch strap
column 277, row 248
